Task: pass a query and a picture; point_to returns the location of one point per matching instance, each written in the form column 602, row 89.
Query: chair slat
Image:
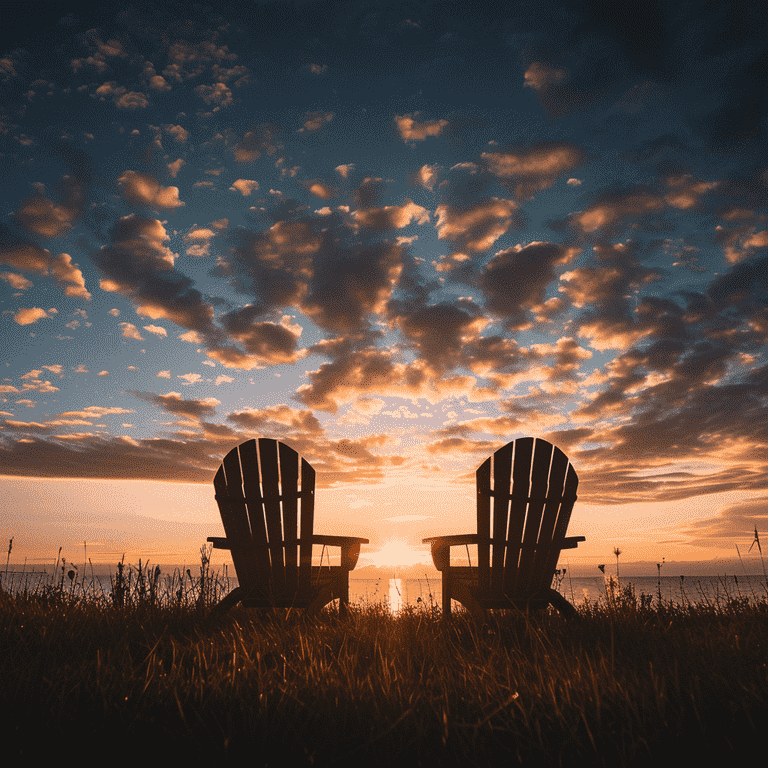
column 249, row 464
column 521, row 484
column 270, row 489
column 564, row 515
column 542, row 458
column 483, row 478
column 307, row 524
column 234, row 516
column 557, row 470
column 289, row 486
column 502, row 473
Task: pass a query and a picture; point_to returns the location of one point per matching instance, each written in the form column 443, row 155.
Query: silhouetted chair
column 267, row 499
column 525, row 495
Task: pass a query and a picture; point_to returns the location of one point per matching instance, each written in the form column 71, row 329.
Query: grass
column 144, row 672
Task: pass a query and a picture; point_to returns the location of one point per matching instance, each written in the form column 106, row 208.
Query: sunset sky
column 395, row 236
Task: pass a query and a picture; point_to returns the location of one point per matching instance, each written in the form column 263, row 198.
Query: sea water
column 396, row 593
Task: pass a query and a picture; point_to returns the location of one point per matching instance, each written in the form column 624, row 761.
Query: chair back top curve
column 525, row 494
column 266, row 497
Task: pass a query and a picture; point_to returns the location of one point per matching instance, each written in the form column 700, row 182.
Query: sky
column 395, row 236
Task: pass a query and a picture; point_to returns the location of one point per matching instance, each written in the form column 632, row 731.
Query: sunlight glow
column 396, row 552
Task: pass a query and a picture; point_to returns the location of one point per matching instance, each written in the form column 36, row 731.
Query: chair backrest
column 525, row 495
column 266, row 497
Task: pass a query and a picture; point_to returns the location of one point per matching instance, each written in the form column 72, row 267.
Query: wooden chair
column 518, row 543
column 267, row 499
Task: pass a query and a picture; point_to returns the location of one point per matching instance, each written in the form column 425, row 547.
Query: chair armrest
column 336, row 541
column 572, row 542
column 220, row 542
column 441, row 547
column 350, row 547
column 452, row 541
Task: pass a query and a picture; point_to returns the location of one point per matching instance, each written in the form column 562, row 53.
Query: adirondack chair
column 266, row 498
column 518, row 544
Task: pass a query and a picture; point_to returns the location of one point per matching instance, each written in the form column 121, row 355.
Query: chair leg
column 323, row 598
column 447, row 594
column 556, row 600
column 461, row 593
column 229, row 601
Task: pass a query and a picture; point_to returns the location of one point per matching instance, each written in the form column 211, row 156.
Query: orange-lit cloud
column 411, row 130
column 143, row 189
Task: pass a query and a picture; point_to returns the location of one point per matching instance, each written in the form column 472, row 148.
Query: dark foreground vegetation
column 147, row 673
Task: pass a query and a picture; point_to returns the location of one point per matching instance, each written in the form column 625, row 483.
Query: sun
column 396, row 552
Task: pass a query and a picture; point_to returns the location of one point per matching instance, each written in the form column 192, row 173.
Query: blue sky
column 396, row 236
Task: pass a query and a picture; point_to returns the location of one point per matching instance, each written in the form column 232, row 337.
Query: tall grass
column 153, row 675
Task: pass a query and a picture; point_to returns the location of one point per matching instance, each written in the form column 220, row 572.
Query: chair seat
column 469, row 576
column 263, row 595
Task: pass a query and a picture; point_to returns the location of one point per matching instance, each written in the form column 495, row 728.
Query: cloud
column 258, row 140
column 96, row 456
column 439, row 332
column 515, row 280
column 174, row 403
column 735, row 521
column 478, row 226
column 347, row 377
column 138, row 265
column 121, row 96
column 320, row 188
column 612, row 209
column 605, row 289
column 685, row 191
column 42, row 217
column 348, row 285
column 156, row 330
column 538, row 167
column 29, row 316
column 391, row 216
column 69, row 274
column 178, row 133
column 130, row 331
column 200, row 238
column 454, row 445
column 17, row 282
column 175, row 167
column 143, row 189
column 426, row 176
column 315, row 120
column 21, row 254
column 30, row 257
column 218, row 94
column 539, row 76
column 410, row 130
column 344, row 170
column 271, row 342
column 299, row 264
column 278, row 420
column 244, row 186
column 7, row 69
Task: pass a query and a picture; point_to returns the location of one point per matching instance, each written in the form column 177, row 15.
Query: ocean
column 396, row 593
